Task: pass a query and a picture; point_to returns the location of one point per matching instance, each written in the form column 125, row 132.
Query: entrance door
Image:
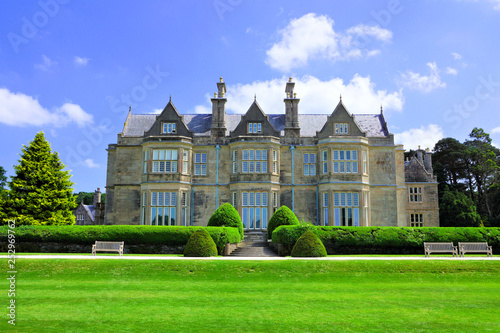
column 254, row 210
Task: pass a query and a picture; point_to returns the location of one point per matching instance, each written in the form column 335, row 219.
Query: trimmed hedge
column 283, row 216
column 226, row 216
column 308, row 245
column 200, row 244
column 383, row 240
column 130, row 234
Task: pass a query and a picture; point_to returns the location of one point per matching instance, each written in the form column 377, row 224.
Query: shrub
column 309, row 245
column 143, row 236
column 283, row 216
column 226, row 216
column 200, row 244
column 382, row 240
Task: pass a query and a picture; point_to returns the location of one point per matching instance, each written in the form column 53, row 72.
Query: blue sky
column 72, row 68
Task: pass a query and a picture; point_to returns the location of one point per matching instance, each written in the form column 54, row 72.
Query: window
column 275, row 199
column 169, row 128
column 200, row 164
column 163, row 206
column 185, row 161
column 234, row 199
column 165, row 160
column 341, row 128
column 143, row 209
column 309, row 164
column 416, row 194
column 325, row 161
column 325, row 208
column 346, row 208
column 184, row 204
column 235, row 163
column 345, row 161
column 254, row 210
column 275, row 161
column 145, row 168
column 254, row 128
column 416, row 220
column 254, row 161
column 365, row 163
column 366, row 208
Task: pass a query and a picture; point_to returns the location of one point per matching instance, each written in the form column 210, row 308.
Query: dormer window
column 341, row 128
column 254, row 128
column 169, row 128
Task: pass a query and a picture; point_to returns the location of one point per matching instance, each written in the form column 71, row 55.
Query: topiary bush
column 283, row 216
column 309, row 245
column 200, row 244
column 226, row 216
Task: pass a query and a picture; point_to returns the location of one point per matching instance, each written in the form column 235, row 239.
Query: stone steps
column 254, row 245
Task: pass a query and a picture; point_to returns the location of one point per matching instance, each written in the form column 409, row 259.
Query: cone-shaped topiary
column 308, row 245
column 226, row 216
column 283, row 216
column 200, row 244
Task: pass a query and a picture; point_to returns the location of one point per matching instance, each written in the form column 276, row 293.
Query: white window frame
column 254, row 161
column 254, row 209
column 324, row 200
column 169, row 128
column 275, row 161
column 341, row 128
column 254, row 128
column 345, row 161
column 200, row 164
column 235, row 162
column 346, row 209
column 165, row 161
column 163, row 201
column 309, row 164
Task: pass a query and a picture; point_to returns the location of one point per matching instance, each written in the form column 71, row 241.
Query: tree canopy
column 41, row 192
column 471, row 168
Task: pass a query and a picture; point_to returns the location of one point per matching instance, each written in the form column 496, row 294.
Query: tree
column 3, row 179
column 457, row 210
column 41, row 192
column 449, row 164
column 3, row 193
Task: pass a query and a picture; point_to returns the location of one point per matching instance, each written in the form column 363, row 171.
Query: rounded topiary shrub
column 283, row 216
column 200, row 244
column 226, row 216
column 309, row 245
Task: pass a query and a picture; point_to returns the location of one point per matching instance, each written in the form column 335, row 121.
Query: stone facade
column 90, row 214
column 337, row 169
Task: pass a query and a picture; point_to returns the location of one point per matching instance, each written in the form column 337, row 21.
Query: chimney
column 428, row 161
column 97, row 197
column 292, row 128
column 218, row 128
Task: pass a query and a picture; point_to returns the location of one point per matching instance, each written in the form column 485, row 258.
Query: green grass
column 63, row 295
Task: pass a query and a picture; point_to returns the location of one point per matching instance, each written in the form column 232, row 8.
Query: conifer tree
column 41, row 192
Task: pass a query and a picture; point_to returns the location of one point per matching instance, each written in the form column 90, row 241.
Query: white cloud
column 157, row 111
column 317, row 97
column 425, row 137
column 495, row 3
column 89, row 163
column 81, row 61
column 17, row 109
column 313, row 37
column 423, row 83
column 450, row 71
column 496, row 130
column 46, row 64
column 456, row 56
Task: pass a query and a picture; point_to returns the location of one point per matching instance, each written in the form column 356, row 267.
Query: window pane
column 257, row 199
column 245, row 154
column 312, row 170
column 174, row 154
column 174, row 166
column 251, row 218
column 306, row 169
column 160, row 216
column 355, row 199
column 251, row 196
column 203, row 158
column 341, row 154
column 257, row 166
column 355, row 155
column 264, row 155
column 167, row 198
column 336, row 198
column 325, row 199
column 155, row 154
column 203, row 169
column 172, row 216
column 245, row 166
column 325, row 167
column 342, row 199
column 337, row 217
column 335, row 154
column 257, row 218
column 349, row 199
column 197, row 158
column 166, row 154
column 251, row 154
column 306, row 158
column 264, row 218
column 264, row 166
column 153, row 216
column 244, row 218
column 336, row 167
column 251, row 167
column 160, row 199
column 245, row 199
column 264, row 199
column 197, row 169
column 154, row 198
column 355, row 167
column 257, row 154
column 325, row 155
column 348, row 155
column 312, row 158
column 342, row 167
column 173, row 197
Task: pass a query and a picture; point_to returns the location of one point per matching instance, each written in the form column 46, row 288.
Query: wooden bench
column 108, row 246
column 475, row 248
column 440, row 248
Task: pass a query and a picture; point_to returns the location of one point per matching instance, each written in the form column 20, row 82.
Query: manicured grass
column 255, row 296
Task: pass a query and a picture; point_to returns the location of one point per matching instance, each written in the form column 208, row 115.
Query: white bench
column 108, row 246
column 440, row 248
column 475, row 248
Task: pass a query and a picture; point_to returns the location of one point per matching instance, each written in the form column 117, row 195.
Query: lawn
column 254, row 296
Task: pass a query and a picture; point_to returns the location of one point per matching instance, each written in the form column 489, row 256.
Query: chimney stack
column 292, row 128
column 218, row 127
column 97, row 197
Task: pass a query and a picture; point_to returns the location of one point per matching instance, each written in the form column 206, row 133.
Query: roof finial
column 130, row 109
column 341, row 97
column 170, row 100
column 255, row 97
column 381, row 109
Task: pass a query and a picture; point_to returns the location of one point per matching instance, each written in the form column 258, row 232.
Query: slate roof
column 372, row 124
column 90, row 210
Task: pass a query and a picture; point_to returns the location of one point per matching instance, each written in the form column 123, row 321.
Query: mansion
column 340, row 169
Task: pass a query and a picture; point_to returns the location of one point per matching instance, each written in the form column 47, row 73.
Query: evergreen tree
column 3, row 179
column 41, row 192
column 3, row 193
column 457, row 210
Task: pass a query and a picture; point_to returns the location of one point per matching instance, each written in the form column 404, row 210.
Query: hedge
column 283, row 216
column 383, row 240
column 130, row 234
column 226, row 216
column 200, row 244
column 308, row 245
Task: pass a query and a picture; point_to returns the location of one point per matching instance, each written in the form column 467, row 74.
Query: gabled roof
column 372, row 124
column 255, row 114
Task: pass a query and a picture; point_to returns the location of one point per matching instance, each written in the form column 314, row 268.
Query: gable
column 338, row 122
column 169, row 123
column 255, row 115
